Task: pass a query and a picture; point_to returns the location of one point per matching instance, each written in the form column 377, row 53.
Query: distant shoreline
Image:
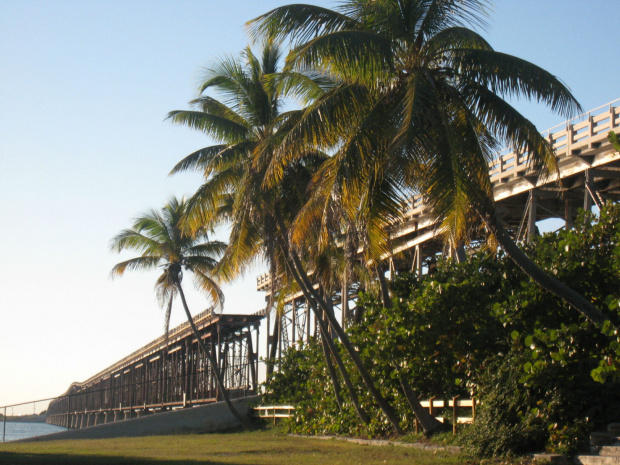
column 25, row 419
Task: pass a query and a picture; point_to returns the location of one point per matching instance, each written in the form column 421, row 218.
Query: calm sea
column 20, row 430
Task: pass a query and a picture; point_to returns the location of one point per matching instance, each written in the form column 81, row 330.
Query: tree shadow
column 13, row 458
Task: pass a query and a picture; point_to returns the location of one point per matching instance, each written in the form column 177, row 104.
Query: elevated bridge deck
column 589, row 174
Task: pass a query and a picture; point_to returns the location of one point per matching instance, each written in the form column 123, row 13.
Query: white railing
column 571, row 136
column 275, row 411
column 568, row 138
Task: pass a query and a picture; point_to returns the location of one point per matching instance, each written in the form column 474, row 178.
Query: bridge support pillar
column 568, row 214
column 417, row 261
column 459, row 253
column 99, row 419
column 531, row 217
column 108, row 417
column 129, row 414
column 118, row 415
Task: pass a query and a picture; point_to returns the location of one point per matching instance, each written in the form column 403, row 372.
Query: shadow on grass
column 12, row 458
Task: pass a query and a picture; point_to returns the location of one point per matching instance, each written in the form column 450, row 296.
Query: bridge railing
column 572, row 137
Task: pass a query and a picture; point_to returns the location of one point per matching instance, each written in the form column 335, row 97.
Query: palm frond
column 130, row 239
column 300, row 21
column 352, row 56
column 198, row 159
column 208, row 286
column 135, row 264
column 507, row 75
column 220, row 128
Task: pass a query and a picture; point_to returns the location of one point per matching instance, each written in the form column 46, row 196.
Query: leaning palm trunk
column 214, row 368
column 543, row 279
column 329, row 347
column 429, row 423
column 383, row 285
column 332, row 371
column 273, row 353
column 328, row 340
column 274, row 347
column 307, row 288
column 322, row 311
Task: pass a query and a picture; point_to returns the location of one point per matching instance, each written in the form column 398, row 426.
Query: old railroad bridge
column 171, row 373
column 167, row 373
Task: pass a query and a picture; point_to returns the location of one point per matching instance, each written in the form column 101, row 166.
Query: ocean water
column 21, row 430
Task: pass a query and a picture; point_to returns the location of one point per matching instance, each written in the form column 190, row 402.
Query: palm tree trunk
column 214, row 369
column 277, row 329
column 383, row 285
column 429, row 423
column 327, row 338
column 539, row 276
column 306, row 286
column 328, row 342
column 274, row 346
column 331, row 370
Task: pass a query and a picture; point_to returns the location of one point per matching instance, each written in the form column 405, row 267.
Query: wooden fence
column 457, row 406
column 436, row 407
column 275, row 411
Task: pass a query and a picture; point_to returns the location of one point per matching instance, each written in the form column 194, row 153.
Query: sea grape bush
column 545, row 375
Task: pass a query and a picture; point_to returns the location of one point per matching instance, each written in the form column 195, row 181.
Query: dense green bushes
column 546, row 376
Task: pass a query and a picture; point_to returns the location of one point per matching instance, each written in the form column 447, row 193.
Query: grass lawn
column 260, row 447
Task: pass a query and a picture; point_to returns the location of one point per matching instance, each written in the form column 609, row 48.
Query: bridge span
column 589, row 174
column 166, row 374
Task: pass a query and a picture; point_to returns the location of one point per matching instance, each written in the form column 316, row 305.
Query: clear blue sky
column 84, row 90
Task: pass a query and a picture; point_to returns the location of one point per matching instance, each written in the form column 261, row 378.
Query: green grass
column 260, row 447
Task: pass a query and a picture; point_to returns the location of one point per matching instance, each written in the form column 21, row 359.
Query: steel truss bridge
column 167, row 373
column 589, row 174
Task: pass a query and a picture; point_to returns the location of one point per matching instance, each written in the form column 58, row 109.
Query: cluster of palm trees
column 396, row 97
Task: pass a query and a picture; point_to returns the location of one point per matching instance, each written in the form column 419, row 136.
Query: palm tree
column 165, row 245
column 420, row 108
column 248, row 124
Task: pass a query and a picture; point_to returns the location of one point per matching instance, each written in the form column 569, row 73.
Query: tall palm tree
column 248, row 124
column 164, row 244
column 420, row 108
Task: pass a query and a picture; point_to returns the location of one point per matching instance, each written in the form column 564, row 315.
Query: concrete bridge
column 167, row 374
column 589, row 174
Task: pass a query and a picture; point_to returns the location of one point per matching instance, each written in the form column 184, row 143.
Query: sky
column 85, row 87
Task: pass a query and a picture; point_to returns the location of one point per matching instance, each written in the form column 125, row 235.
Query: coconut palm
column 420, row 108
column 248, row 124
column 165, row 245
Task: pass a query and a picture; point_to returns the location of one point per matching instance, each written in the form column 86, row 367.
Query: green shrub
column 545, row 375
